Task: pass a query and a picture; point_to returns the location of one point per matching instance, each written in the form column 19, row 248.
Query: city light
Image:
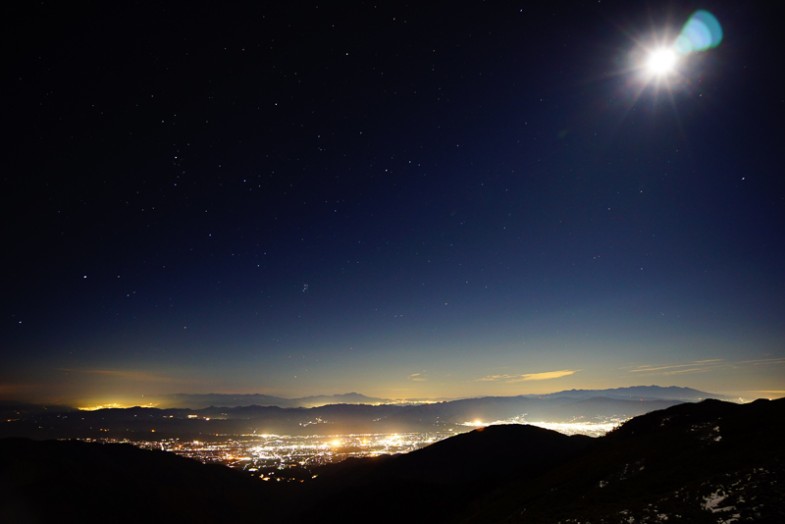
column 291, row 458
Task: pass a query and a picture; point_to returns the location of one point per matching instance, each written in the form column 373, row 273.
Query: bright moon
column 661, row 62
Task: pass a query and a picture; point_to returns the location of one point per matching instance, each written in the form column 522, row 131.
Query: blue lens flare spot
column 701, row 32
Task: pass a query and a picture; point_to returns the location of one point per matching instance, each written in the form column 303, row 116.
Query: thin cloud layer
column 701, row 366
column 546, row 375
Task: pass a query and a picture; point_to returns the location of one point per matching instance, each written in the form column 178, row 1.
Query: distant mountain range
column 640, row 393
column 198, row 400
column 711, row 461
column 584, row 406
column 205, row 400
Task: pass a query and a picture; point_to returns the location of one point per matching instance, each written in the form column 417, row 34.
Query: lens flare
column 661, row 62
column 701, row 32
column 664, row 62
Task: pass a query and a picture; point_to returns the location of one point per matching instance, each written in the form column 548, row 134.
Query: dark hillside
column 707, row 462
column 442, row 481
column 71, row 481
column 710, row 462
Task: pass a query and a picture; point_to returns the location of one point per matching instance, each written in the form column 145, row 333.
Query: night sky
column 405, row 200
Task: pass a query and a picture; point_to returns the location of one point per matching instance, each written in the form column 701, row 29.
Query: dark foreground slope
column 440, row 483
column 71, row 481
column 708, row 462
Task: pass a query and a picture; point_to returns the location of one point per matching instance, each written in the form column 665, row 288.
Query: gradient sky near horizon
column 409, row 201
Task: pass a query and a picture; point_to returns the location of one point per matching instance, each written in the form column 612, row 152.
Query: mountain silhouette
column 711, row 461
column 707, row 462
column 351, row 415
column 73, row 481
column 702, row 462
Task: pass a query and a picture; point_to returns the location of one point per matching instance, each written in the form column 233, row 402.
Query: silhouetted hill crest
column 73, row 481
column 703, row 462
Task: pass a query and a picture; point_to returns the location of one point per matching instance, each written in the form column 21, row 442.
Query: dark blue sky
column 404, row 200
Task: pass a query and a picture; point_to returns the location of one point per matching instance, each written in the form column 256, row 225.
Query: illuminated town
column 286, row 457
column 293, row 458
